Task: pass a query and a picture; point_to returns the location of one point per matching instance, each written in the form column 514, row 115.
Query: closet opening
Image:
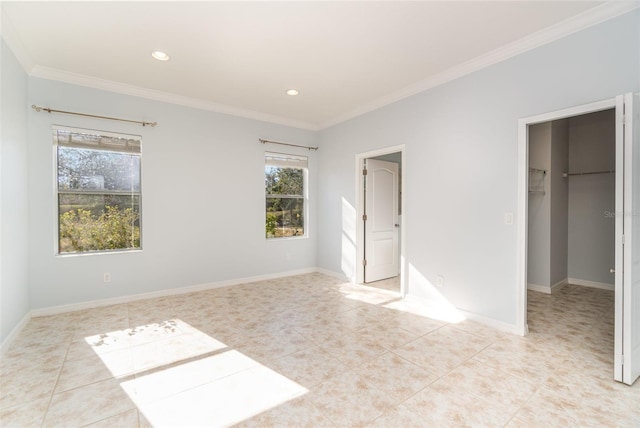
column 571, row 229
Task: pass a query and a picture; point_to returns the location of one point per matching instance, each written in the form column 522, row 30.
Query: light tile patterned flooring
column 311, row 351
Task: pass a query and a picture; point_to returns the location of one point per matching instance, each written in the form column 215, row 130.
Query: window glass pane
column 284, row 181
column 285, row 217
column 90, row 170
column 98, row 222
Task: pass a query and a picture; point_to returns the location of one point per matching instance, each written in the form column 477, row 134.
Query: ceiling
column 345, row 58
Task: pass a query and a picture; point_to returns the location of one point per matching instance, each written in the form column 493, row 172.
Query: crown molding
column 555, row 32
column 13, row 41
column 562, row 29
column 151, row 94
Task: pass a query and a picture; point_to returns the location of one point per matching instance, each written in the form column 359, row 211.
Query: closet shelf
column 536, row 180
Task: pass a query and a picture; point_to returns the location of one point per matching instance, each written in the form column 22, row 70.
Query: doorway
column 380, row 235
column 626, row 225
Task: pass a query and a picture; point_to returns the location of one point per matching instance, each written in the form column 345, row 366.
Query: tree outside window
column 98, row 183
column 285, row 193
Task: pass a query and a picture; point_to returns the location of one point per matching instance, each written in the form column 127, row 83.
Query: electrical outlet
column 107, row 277
column 440, row 281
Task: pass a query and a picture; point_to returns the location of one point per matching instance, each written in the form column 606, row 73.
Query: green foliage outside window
column 114, row 228
column 284, row 189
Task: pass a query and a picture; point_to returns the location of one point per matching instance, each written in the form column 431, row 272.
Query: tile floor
column 311, row 351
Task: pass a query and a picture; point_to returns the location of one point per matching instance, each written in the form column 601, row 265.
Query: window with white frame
column 98, row 191
column 285, row 179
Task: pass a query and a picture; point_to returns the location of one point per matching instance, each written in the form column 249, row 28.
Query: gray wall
column 559, row 202
column 461, row 161
column 539, row 233
column 202, row 199
column 14, row 229
column 592, row 197
column 548, row 211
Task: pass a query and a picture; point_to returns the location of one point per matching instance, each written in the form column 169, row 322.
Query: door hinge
column 364, row 262
column 364, row 171
column 621, row 359
column 622, row 239
column 364, row 217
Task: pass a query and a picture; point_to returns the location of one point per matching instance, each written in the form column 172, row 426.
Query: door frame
column 523, row 211
column 360, row 209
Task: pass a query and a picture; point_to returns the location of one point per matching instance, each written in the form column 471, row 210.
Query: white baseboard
column 6, row 343
column 592, row 284
column 53, row 310
column 548, row 289
column 490, row 322
column 337, row 275
column 539, row 288
column 464, row 314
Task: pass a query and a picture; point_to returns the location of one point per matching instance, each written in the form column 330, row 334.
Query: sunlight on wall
column 348, row 264
column 179, row 376
column 429, row 302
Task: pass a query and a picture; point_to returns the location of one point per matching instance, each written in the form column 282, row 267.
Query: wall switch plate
column 508, row 218
column 440, row 281
column 107, row 277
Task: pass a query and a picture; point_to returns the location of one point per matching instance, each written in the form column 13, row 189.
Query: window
column 98, row 189
column 285, row 179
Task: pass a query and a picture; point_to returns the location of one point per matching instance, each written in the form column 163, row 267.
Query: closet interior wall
column 571, row 217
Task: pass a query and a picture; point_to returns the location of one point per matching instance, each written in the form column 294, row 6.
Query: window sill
column 289, row 238
column 96, row 253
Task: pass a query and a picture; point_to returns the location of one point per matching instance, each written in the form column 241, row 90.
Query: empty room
column 320, row 214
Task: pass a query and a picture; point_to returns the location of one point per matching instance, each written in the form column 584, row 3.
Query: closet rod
column 50, row 110
column 286, row 144
column 569, row 174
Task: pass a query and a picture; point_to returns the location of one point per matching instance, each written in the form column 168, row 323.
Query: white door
column 631, row 268
column 381, row 224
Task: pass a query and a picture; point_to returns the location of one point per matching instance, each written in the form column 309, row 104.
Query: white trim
column 548, row 289
column 360, row 158
column 53, row 310
column 618, row 337
column 490, row 322
column 472, row 316
column 539, row 288
column 589, row 18
column 13, row 41
column 166, row 97
column 592, row 284
column 6, row 343
column 337, row 275
column 523, row 193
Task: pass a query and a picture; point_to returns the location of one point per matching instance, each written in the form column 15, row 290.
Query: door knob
column 396, row 225
column 612, row 270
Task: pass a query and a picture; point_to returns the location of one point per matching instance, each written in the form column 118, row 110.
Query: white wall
column 14, row 230
column 461, row 161
column 592, row 197
column 202, row 199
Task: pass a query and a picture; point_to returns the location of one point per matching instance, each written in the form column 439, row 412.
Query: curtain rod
column 286, row 144
column 50, row 110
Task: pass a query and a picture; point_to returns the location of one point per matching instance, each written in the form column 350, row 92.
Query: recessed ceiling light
column 292, row 92
column 160, row 56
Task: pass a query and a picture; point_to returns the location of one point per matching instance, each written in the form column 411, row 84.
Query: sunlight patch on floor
column 219, row 390
column 179, row 376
